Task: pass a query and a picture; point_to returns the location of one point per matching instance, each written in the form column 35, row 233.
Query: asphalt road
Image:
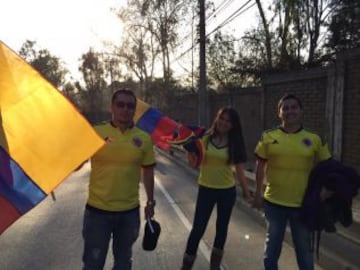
column 49, row 236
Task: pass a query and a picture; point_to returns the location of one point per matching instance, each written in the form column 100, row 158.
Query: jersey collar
column 297, row 131
column 130, row 127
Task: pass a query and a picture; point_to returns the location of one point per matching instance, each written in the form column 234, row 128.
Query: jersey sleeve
column 323, row 152
column 149, row 156
column 260, row 149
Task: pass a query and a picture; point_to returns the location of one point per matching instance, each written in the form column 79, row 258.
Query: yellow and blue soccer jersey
column 115, row 168
column 214, row 170
column 290, row 158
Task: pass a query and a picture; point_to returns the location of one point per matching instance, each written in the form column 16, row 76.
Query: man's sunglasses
column 122, row 105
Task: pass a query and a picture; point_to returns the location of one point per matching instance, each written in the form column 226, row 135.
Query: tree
column 94, row 95
column 267, row 35
column 72, row 92
column 163, row 20
column 46, row 64
column 221, row 59
column 112, row 66
column 288, row 37
column 253, row 54
column 344, row 26
column 316, row 15
column 152, row 31
column 138, row 54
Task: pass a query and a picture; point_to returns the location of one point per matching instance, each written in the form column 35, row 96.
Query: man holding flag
column 112, row 208
column 38, row 150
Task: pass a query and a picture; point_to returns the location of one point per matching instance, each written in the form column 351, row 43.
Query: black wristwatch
column 151, row 203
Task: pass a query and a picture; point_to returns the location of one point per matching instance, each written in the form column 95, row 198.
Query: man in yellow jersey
column 112, row 209
column 285, row 156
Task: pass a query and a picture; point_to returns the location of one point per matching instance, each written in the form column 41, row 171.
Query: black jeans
column 206, row 200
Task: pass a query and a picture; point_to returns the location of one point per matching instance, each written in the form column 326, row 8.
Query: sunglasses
column 122, row 105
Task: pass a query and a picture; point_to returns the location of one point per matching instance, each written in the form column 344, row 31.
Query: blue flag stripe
column 16, row 186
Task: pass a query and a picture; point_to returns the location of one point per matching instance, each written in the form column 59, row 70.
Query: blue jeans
column 206, row 200
column 277, row 218
column 99, row 226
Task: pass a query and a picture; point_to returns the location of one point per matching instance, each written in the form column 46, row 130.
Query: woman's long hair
column 236, row 146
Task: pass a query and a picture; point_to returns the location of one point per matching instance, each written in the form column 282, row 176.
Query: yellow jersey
column 214, row 170
column 290, row 158
column 116, row 168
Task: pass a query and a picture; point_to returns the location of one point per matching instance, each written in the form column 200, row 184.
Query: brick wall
column 308, row 86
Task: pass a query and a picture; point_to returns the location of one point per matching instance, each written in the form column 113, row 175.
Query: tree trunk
column 267, row 35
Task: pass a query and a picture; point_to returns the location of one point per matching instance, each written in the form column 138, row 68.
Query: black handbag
column 152, row 231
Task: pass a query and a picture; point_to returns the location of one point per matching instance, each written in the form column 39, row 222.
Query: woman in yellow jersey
column 285, row 157
column 224, row 151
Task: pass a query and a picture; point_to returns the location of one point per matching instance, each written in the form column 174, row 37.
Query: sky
column 68, row 28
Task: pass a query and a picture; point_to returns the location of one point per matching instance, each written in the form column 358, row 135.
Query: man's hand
column 325, row 194
column 149, row 209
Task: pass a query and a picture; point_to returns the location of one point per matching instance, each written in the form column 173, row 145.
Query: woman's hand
column 192, row 160
column 249, row 198
column 258, row 202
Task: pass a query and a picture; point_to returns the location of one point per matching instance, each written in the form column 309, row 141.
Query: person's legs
column 187, row 262
column 302, row 241
column 96, row 233
column 126, row 231
column 204, row 205
column 225, row 203
column 276, row 217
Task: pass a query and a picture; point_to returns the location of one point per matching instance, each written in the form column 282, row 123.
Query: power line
column 224, row 4
column 229, row 19
column 233, row 16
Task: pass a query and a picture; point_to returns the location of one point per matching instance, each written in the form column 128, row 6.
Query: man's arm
column 260, row 175
column 148, row 180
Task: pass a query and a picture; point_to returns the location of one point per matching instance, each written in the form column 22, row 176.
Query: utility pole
column 202, row 76
column 192, row 51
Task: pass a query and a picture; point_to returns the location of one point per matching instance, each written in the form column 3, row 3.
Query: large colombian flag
column 43, row 138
